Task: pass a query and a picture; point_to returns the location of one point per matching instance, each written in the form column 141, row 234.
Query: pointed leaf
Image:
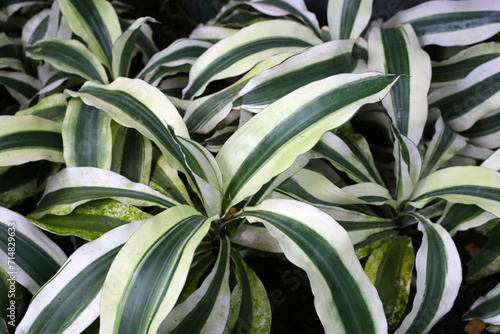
column 238, row 53
column 486, row 307
column 278, row 138
column 95, row 21
column 21, row 86
column 52, row 107
column 69, row 56
column 486, row 131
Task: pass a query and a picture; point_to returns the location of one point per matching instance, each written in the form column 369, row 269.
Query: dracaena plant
column 170, row 177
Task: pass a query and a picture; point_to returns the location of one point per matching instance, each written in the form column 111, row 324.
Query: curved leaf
column 439, row 275
column 96, row 22
column 26, row 253
column 147, row 293
column 238, row 53
column 347, row 19
column 29, row 138
column 69, row 56
column 73, row 186
column 69, row 302
column 486, row 307
column 87, row 138
column 278, row 138
column 345, row 299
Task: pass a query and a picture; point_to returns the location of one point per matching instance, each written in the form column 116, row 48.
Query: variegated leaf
column 396, row 51
column 52, row 107
column 69, row 302
column 451, row 23
column 20, row 86
column 69, row 56
column 487, row 261
column 238, row 53
column 147, row 293
column 486, row 131
column 206, row 310
column 278, row 138
column 347, row 19
column 96, row 22
column 26, row 253
column 439, row 275
column 87, row 138
column 486, row 307
column 77, row 185
column 29, row 138
column 345, row 299
column 470, row 99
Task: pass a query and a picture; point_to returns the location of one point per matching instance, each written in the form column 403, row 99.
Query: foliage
column 356, row 150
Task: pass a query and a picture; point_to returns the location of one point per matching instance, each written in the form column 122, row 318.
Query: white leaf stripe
column 69, row 302
column 347, row 19
column 87, row 136
column 450, row 23
column 439, row 274
column 345, row 302
column 136, row 286
column 207, row 314
column 35, row 257
column 331, row 102
column 69, row 56
column 22, row 86
column 486, row 307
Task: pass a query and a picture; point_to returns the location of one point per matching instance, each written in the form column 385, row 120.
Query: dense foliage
column 355, row 151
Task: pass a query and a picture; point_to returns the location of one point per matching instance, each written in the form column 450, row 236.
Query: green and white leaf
column 462, row 184
column 52, row 107
column 132, row 155
column 207, row 112
column 123, row 48
column 146, row 292
column 29, row 138
column 452, row 70
column 408, row 164
column 166, row 180
column 181, row 52
column 69, row 302
column 486, row 131
column 396, row 51
column 487, row 261
column 26, row 253
column 270, row 142
column 461, row 104
column 315, row 63
column 450, row 23
column 10, row 53
column 444, row 145
column 256, row 237
column 439, row 275
column 349, row 153
column 207, row 309
column 91, row 220
column 20, row 86
column 486, row 307
column 69, row 56
column 87, row 137
column 239, row 52
column 18, row 183
column 77, row 185
column 347, row 19
column 36, row 27
column 461, row 217
column 210, row 33
column 390, row 268
column 345, row 299
column 250, row 308
column 96, row 22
